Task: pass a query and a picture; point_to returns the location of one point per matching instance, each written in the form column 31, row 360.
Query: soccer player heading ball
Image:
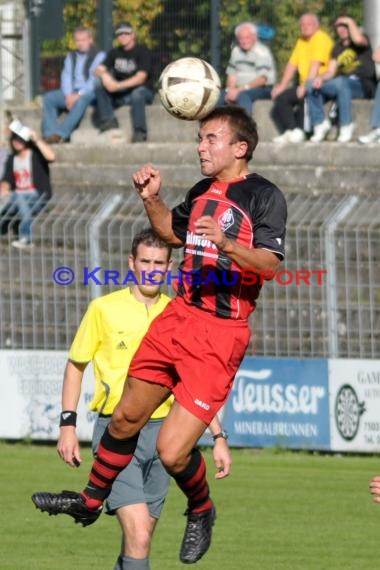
column 194, row 348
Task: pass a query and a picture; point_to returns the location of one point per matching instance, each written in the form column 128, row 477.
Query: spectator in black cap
column 126, row 79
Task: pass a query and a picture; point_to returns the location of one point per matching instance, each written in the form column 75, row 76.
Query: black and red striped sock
column 192, row 481
column 112, row 457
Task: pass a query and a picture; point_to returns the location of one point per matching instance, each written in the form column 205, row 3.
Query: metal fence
column 12, row 54
column 324, row 303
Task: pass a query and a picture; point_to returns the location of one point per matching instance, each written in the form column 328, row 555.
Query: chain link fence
column 325, row 302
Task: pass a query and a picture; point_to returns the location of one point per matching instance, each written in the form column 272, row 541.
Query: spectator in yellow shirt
column 309, row 59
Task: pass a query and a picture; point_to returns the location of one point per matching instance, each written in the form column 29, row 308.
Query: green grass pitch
column 277, row 511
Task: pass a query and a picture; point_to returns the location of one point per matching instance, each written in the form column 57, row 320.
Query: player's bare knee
column 142, row 542
column 124, row 423
column 137, row 542
column 173, row 461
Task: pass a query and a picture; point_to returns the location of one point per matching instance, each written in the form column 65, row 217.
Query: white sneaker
column 22, row 243
column 321, row 131
column 296, row 136
column 372, row 137
column 280, row 139
column 346, row 133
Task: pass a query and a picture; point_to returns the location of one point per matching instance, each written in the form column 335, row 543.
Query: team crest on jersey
column 226, row 220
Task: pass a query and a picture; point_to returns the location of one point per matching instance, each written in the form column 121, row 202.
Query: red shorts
column 193, row 353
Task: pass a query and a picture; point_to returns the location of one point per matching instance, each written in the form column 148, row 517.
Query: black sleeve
column 270, row 221
column 336, row 51
column 145, row 60
column 41, row 173
column 8, row 172
column 180, row 218
column 109, row 60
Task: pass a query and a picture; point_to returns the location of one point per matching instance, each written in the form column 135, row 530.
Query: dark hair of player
column 242, row 125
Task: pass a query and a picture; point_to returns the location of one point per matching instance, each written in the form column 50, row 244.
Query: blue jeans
column 54, row 104
column 137, row 98
column 247, row 97
column 27, row 204
column 342, row 89
column 375, row 113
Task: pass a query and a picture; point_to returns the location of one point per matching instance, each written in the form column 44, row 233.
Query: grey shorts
column 144, row 480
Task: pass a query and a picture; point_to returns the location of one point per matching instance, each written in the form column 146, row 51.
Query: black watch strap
column 223, row 434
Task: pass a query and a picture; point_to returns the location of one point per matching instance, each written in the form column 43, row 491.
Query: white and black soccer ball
column 189, row 88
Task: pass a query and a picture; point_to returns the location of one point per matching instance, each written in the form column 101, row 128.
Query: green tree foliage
column 141, row 14
column 78, row 13
column 183, row 29
column 283, row 16
column 176, row 28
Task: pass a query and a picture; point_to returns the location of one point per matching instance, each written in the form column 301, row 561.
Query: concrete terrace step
column 288, row 177
column 161, row 125
column 105, row 162
column 164, row 128
column 330, row 154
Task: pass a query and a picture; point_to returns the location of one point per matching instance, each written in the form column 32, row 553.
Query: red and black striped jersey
column 250, row 210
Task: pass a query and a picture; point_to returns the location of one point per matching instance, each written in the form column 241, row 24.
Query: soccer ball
column 189, row 88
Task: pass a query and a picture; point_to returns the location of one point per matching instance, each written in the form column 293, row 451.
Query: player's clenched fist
column 147, row 181
column 375, row 488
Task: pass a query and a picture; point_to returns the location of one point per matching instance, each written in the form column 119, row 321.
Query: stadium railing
column 325, row 302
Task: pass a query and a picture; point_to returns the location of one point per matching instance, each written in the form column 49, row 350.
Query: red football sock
column 192, row 481
column 113, row 456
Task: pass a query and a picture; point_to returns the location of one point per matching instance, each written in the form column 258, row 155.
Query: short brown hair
column 242, row 124
column 148, row 237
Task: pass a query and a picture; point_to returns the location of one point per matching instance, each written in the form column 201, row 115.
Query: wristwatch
column 222, row 434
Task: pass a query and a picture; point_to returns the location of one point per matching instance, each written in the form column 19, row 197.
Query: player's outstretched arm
column 147, row 181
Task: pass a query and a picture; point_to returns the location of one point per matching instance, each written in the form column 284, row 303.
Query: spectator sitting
column 77, row 90
column 126, row 79
column 251, row 71
column 350, row 75
column 309, row 59
column 26, row 180
column 374, row 134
